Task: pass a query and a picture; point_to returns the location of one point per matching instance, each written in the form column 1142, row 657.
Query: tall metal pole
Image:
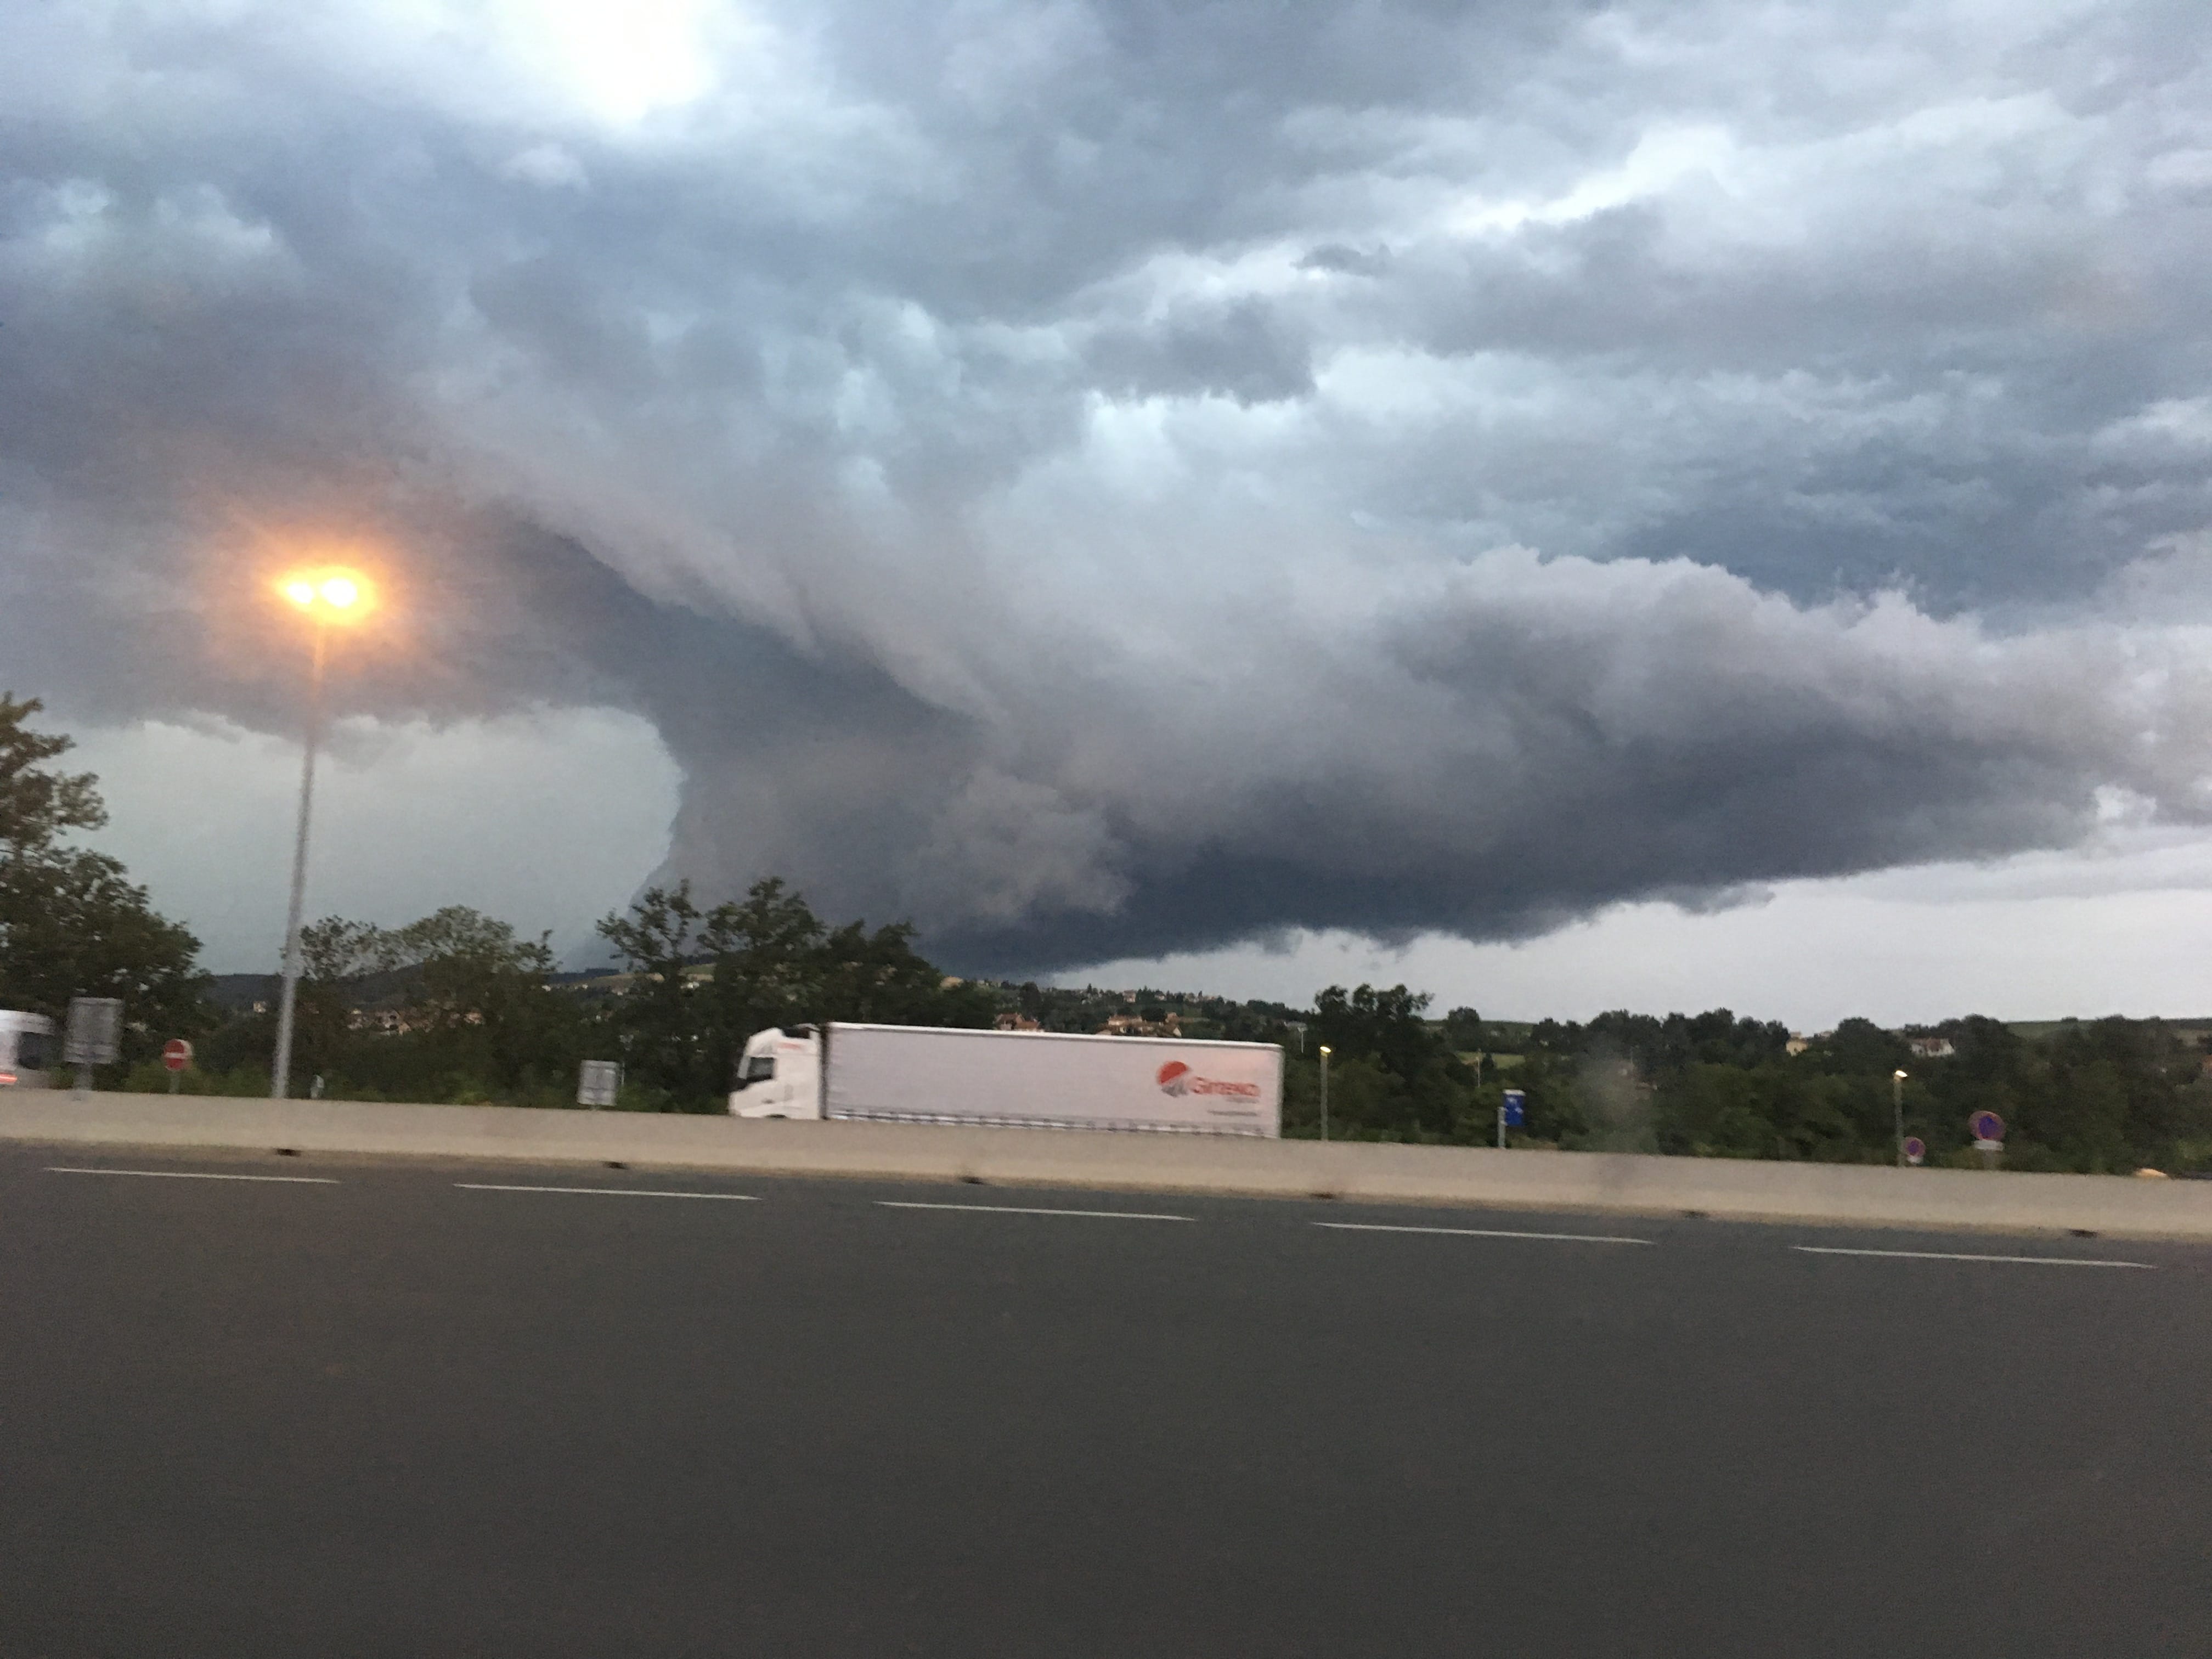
column 1324, row 1092
column 1897, row 1105
column 280, row 1077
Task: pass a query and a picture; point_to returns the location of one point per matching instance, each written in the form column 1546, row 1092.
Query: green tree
column 702, row 981
column 1402, row 1080
column 476, row 995
column 71, row 922
column 658, row 1027
column 1465, row 1032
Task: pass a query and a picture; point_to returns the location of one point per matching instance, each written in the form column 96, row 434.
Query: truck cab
column 779, row 1075
column 26, row 1050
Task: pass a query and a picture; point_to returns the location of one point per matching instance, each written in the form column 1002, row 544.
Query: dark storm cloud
column 1044, row 468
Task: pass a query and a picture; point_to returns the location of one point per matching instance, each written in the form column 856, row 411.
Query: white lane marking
column 1480, row 1232
column 1015, row 1209
column 1951, row 1255
column 195, row 1174
column 607, row 1191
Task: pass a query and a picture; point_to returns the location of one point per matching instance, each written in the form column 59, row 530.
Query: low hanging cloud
column 1491, row 748
column 1102, row 479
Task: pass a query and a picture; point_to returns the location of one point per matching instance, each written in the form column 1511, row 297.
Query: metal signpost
column 1988, row 1129
column 599, row 1083
column 176, row 1054
column 1512, row 1112
column 94, row 1036
column 1916, row 1150
column 1324, row 1091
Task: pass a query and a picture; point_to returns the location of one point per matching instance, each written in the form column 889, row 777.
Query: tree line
column 459, row 1006
column 2106, row 1096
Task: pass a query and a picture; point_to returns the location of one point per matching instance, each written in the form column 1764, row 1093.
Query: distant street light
column 1897, row 1105
column 1324, row 1091
column 328, row 599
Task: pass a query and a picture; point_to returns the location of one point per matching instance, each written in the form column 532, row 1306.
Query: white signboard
column 1046, row 1079
column 599, row 1083
column 94, row 1033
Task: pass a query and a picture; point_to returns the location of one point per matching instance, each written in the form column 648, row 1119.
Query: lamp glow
column 336, row 595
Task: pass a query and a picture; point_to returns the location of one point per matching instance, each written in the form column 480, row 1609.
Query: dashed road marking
column 1015, row 1209
column 607, row 1192
column 195, row 1174
column 1956, row 1256
column 1481, row 1233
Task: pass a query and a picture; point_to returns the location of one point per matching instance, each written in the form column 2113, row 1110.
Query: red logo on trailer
column 1178, row 1080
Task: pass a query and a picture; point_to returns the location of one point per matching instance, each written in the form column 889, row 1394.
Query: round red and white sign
column 176, row 1054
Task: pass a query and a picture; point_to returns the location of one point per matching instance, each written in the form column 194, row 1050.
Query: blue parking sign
column 1516, row 1109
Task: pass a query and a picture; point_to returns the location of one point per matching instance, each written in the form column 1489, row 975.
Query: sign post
column 94, row 1035
column 599, row 1083
column 176, row 1054
column 1989, row 1130
column 1512, row 1112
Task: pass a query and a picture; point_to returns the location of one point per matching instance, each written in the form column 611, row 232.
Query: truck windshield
column 756, row 1068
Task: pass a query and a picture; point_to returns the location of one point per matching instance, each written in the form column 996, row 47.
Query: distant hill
column 2188, row 1030
column 236, row 993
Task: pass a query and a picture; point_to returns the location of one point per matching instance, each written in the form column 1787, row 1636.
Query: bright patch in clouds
column 543, row 821
column 620, row 62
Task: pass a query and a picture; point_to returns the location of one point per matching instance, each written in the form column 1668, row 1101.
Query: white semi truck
column 1026, row 1079
column 26, row 1050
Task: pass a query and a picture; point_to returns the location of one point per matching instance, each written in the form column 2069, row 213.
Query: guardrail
column 1723, row 1188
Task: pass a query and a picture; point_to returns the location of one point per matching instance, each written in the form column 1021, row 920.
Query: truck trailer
column 1019, row 1080
column 26, row 1050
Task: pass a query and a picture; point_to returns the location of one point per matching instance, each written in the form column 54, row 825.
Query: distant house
column 1167, row 1025
column 1931, row 1048
column 1018, row 1021
column 1798, row 1043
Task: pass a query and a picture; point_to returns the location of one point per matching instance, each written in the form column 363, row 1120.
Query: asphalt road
column 382, row 1412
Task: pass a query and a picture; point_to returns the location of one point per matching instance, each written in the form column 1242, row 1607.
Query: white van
column 26, row 1050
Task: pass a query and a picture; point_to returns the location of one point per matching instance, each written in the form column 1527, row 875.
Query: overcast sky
column 1568, row 504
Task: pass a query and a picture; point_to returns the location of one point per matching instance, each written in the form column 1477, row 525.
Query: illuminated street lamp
column 1324, row 1091
column 1897, row 1105
column 328, row 599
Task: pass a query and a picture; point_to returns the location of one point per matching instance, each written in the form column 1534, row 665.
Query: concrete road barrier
column 1858, row 1194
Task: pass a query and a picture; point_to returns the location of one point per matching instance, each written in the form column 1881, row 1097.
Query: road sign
column 1916, row 1149
column 94, row 1033
column 599, row 1083
column 1516, row 1109
column 176, row 1054
column 1988, row 1130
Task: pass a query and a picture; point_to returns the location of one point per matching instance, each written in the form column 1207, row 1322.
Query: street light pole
column 1324, row 1091
column 280, row 1077
column 1897, row 1105
column 324, row 597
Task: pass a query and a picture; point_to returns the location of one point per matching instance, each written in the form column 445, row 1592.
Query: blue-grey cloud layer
column 1062, row 471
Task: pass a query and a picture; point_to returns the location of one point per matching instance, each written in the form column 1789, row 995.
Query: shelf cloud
column 1108, row 478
